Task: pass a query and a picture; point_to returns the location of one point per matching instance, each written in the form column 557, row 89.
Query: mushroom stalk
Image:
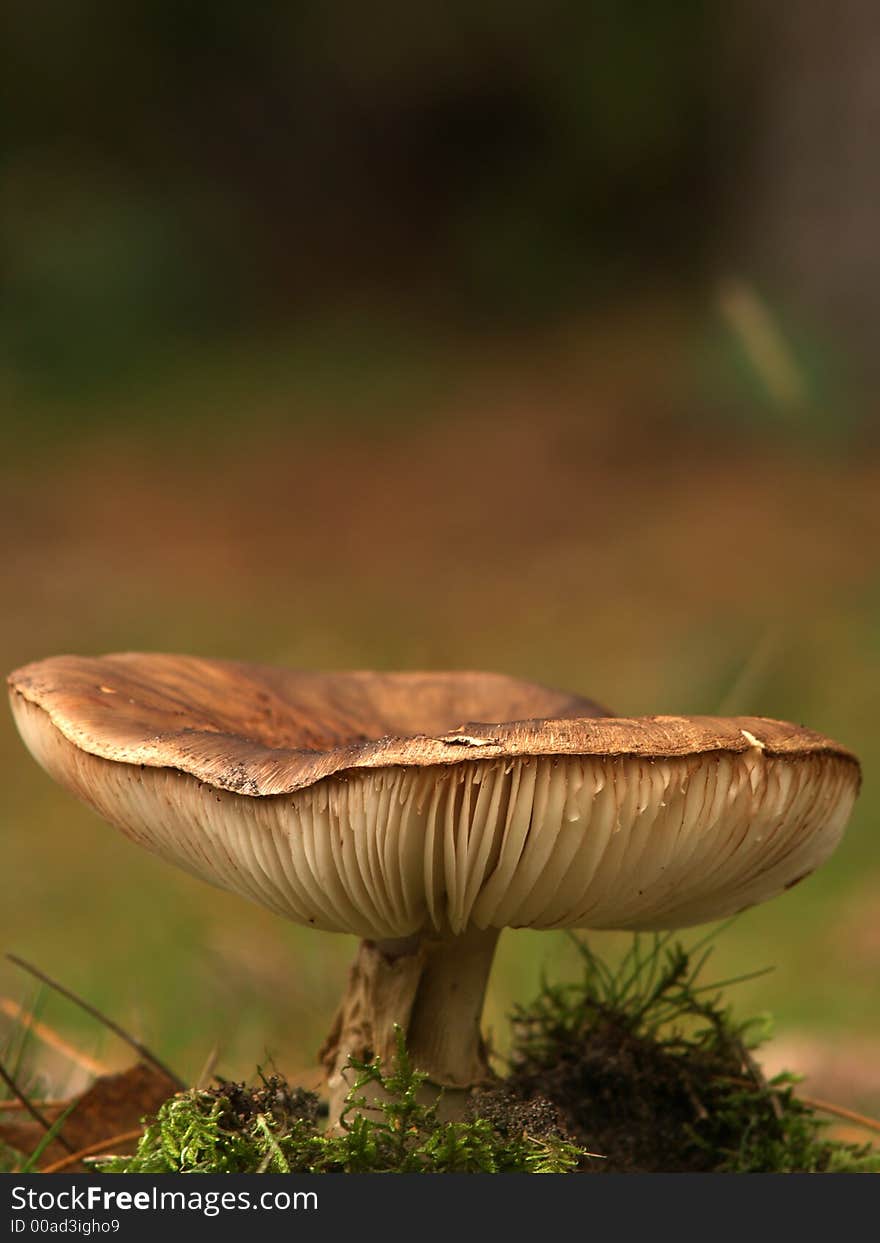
column 432, row 988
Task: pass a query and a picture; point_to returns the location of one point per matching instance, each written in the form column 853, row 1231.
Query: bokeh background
column 536, row 337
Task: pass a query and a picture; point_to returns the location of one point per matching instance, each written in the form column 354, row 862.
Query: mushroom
column 424, row 812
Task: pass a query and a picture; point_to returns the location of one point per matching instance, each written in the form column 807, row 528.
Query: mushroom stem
column 432, row 988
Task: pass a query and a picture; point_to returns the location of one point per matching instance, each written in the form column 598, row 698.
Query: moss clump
column 648, row 1067
column 636, row 1069
column 232, row 1129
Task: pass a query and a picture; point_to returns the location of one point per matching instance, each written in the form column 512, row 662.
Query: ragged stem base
column 433, row 989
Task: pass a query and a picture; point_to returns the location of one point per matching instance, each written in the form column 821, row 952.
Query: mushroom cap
column 360, row 802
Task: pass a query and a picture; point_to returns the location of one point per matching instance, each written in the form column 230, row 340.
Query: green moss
column 649, row 1067
column 640, row 1067
column 274, row 1130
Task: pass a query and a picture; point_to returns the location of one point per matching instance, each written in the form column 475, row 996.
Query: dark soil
column 644, row 1106
column 274, row 1098
column 640, row 1070
column 513, row 1113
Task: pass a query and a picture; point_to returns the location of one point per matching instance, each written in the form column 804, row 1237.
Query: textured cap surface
column 384, row 804
column 260, row 730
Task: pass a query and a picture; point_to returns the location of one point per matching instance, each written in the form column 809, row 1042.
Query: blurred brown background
column 531, row 337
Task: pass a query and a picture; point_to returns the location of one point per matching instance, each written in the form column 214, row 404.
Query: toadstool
column 424, row 812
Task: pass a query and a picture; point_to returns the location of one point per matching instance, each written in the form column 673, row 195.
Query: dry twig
column 114, row 1027
column 57, row 1166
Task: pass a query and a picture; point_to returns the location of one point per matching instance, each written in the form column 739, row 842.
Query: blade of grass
column 683, row 1002
column 752, row 671
column 209, row 1067
column 662, row 952
column 274, row 1150
column 48, row 1036
column 109, row 1023
column 26, row 1029
column 733, row 979
column 54, row 1132
column 49, row 1127
column 715, row 931
column 596, row 967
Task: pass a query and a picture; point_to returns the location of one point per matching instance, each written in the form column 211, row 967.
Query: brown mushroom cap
column 385, row 804
column 260, row 730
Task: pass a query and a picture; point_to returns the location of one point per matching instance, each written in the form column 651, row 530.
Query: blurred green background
column 529, row 337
